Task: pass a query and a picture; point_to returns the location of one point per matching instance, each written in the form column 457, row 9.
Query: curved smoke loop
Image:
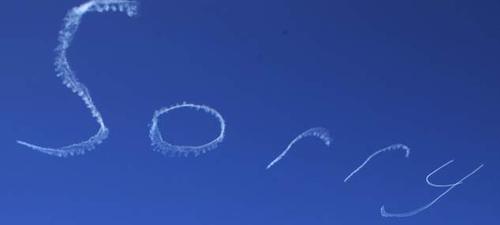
column 384, row 213
column 63, row 70
column 428, row 177
column 166, row 148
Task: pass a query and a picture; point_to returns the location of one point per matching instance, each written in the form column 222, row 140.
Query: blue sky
column 421, row 73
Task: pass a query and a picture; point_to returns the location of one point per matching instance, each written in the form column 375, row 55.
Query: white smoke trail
column 389, row 148
column 384, row 213
column 63, row 70
column 166, row 148
column 319, row 132
column 427, row 178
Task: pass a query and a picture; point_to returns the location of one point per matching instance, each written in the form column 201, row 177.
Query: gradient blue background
column 422, row 73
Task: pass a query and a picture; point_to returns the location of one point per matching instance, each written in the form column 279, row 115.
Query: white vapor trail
column 389, row 148
column 427, row 178
column 319, row 132
column 63, row 70
column 384, row 213
column 166, row 148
